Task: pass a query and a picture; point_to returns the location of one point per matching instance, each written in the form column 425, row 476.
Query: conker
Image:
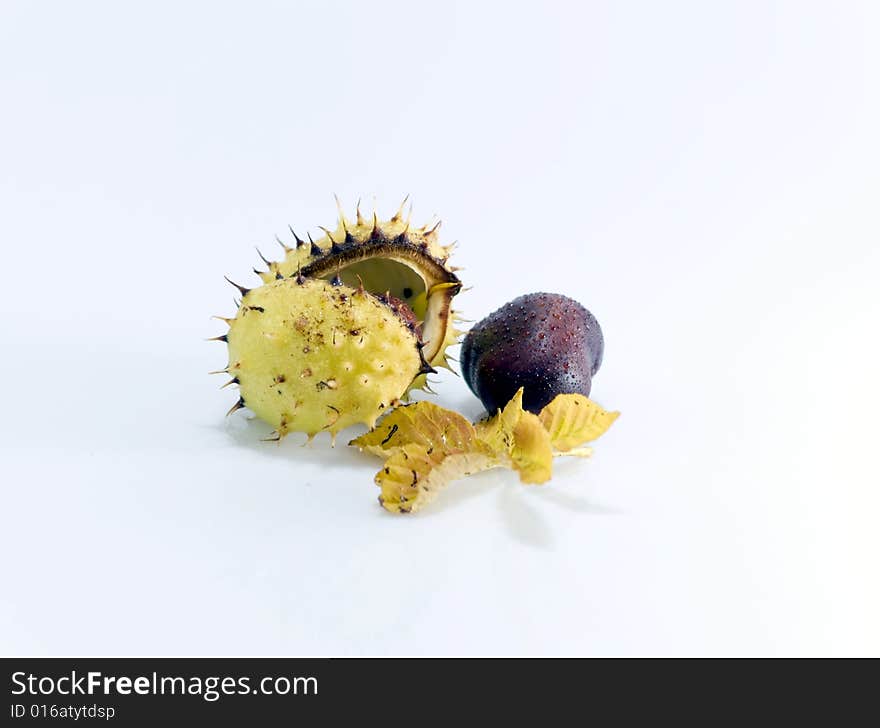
column 547, row 343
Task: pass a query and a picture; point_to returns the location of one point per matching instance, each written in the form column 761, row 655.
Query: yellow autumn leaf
column 572, row 419
column 422, row 423
column 413, row 476
column 426, row 446
column 532, row 453
column 497, row 432
column 519, row 438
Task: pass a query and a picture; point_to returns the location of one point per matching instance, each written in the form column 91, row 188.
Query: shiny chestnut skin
column 546, row 343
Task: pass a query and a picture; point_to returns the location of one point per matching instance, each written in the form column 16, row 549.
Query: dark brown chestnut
column 547, row 343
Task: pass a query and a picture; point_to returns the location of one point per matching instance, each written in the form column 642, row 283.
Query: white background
column 703, row 176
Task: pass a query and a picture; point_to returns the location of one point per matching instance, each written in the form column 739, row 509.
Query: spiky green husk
column 384, row 256
column 323, row 345
column 310, row 357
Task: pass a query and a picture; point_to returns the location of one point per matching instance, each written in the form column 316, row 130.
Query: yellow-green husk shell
column 344, row 326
